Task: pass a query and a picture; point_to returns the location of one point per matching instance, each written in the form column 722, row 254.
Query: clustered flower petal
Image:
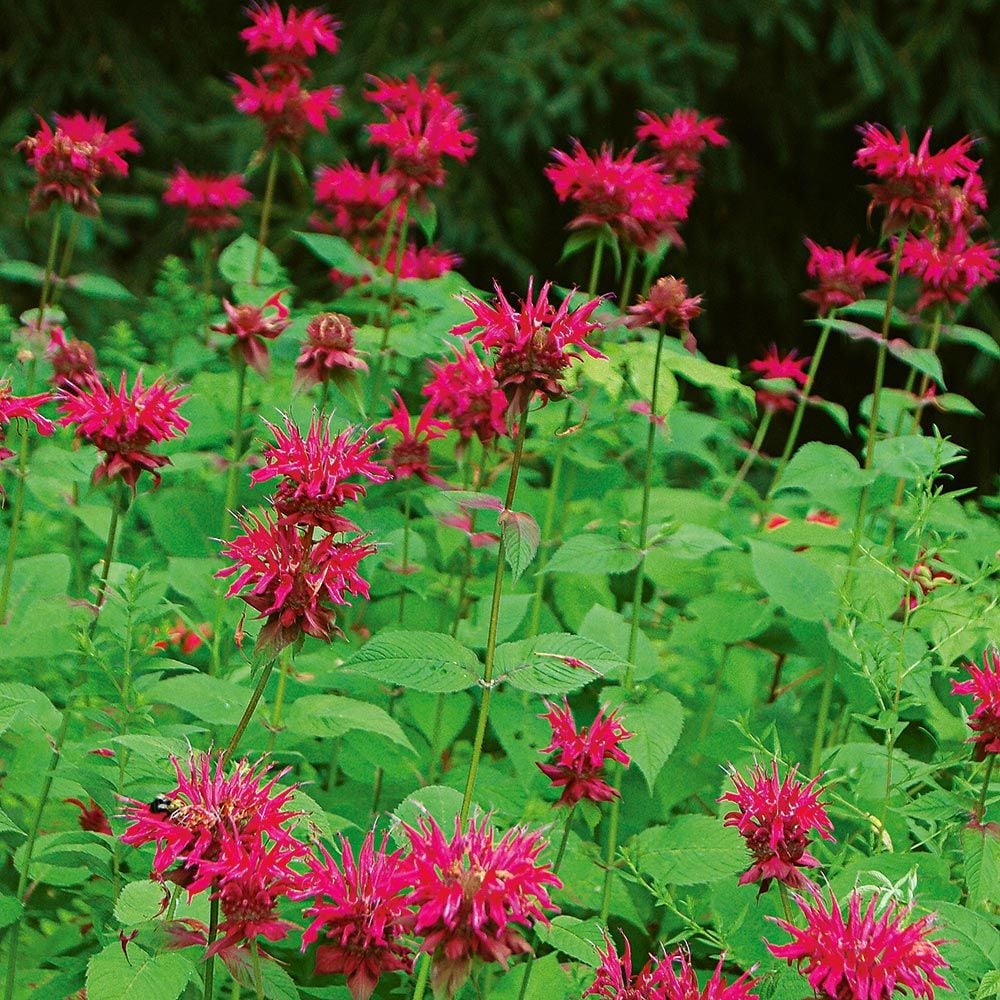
column 582, row 754
column 984, row 686
column 328, row 351
column 774, row 366
column 872, row 954
column 74, row 362
column 357, row 201
column 667, row 304
column 210, row 201
column 252, row 326
column 410, row 455
column 92, row 817
column 21, row 408
column 425, row 263
column 123, row 423
column 285, row 108
column 680, row 138
column 475, row 894
column 292, row 38
column 466, row 392
column 71, row 159
column 775, row 818
column 949, row 272
column 841, row 276
column 615, row 979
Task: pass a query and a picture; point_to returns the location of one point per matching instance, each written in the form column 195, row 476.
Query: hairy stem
column 250, row 709
column 265, row 216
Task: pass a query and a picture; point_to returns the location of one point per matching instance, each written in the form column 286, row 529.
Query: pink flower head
column 423, row 125
column 285, row 108
column 868, row 955
column 774, row 366
column 92, row 817
column 667, row 304
column 21, row 408
column 210, row 201
column 191, row 823
column 425, row 263
column 532, row 346
column 289, row 40
column 251, row 326
column 680, row 138
column 474, row 894
column 294, row 580
column 315, row 468
column 949, row 272
column 70, row 159
column 123, row 424
column 328, row 351
column 466, row 391
column 984, row 686
column 578, row 767
column 74, row 362
column 775, row 819
column 411, row 455
column 182, row 638
column 615, row 979
column 926, row 577
column 356, row 199
column 678, row 981
column 359, row 908
column 841, row 276
column 632, row 197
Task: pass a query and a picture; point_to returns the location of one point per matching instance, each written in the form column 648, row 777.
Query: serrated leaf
column 328, row 715
column 593, row 554
column 971, row 337
column 576, row 938
column 521, row 535
column 871, row 309
column 692, row 850
column 914, row 456
column 439, row 802
column 424, row 214
column 922, row 359
column 139, row 902
column 656, row 724
column 704, row 373
column 792, row 580
column 21, row 702
column 423, row 661
column 10, row 910
column 554, row 663
column 337, row 252
column 207, row 698
column 821, row 469
column 693, row 541
column 112, row 976
column 236, row 263
column 732, row 616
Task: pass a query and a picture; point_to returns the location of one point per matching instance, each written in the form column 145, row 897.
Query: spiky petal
column 210, row 200
column 841, row 276
column 984, row 686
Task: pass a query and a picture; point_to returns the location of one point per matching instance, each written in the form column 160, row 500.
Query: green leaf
column 424, row 214
column 423, row 661
column 951, row 402
column 693, row 541
column 22, row 703
column 914, row 456
column 801, row 587
column 553, row 664
column 922, row 359
column 236, row 263
column 10, row 910
column 690, row 851
column 140, row 902
column 982, row 867
column 704, row 373
column 112, row 976
column 971, row 337
column 871, row 309
column 657, row 723
column 824, row 471
column 278, row 984
column 207, row 698
column 593, row 554
column 576, row 938
column 327, row 715
column 22, row 270
column 337, row 252
column 99, row 286
column 439, row 802
column 732, row 615
column 521, row 535
column 41, row 621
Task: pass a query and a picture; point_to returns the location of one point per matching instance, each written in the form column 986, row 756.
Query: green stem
column 126, row 697
column 258, row 978
column 67, row 256
column 284, row 670
column 249, row 710
column 897, row 696
column 595, row 267
column 436, row 740
column 405, row 565
column 713, row 700
column 783, row 894
column 491, row 636
column 980, row 812
column 50, row 264
column 383, row 256
column 823, row 712
column 117, row 507
column 611, row 847
column 265, row 216
column 381, row 359
column 752, row 456
column 626, row 293
column 213, row 929
column 551, row 505
column 424, row 961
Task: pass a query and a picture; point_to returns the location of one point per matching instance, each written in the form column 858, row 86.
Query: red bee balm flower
column 359, row 908
column 74, row 362
column 21, row 408
column 92, row 817
column 466, row 391
column 293, row 579
column 473, row 895
column 356, row 199
column 532, row 346
column 424, row 263
column 775, row 819
column 328, row 351
column 841, row 276
column 868, row 956
column 773, row 366
column 579, row 767
column 678, row 981
column 680, row 138
column 616, row 981
column 289, row 40
column 949, row 273
column 72, row 158
column 251, row 326
column 410, row 455
column 984, row 686
column 123, row 424
column 285, row 108
column 210, row 201
column 667, row 305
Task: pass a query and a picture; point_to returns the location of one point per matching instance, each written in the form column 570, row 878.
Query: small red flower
column 872, row 955
column 21, row 408
column 775, row 819
column 251, row 326
column 410, row 456
column 328, row 351
column 823, row 517
column 70, row 159
column 667, row 304
column 424, row 263
column 841, row 276
column 678, row 981
column 984, row 686
column 680, row 138
column 466, row 391
column 474, row 895
column 92, row 817
column 286, row 109
column 772, row 365
column 210, row 201
column 615, row 979
column 359, row 908
column 74, row 362
column 289, row 40
column 356, row 200
column 949, row 273
column 123, row 424
column 582, row 754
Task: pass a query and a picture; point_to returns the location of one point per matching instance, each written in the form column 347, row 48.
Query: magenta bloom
column 615, row 979
column 411, row 454
column 358, row 907
column 474, row 894
column 868, row 955
column 678, row 981
column 294, row 581
column 70, row 159
column 423, row 126
column 984, row 686
column 285, row 108
column 328, row 351
column 466, row 391
column 774, row 366
column 949, row 273
column 210, row 201
column 578, row 767
column 92, row 817
column 193, row 822
column 289, row 40
column 252, row 326
column 775, row 819
column 841, row 276
column 680, row 138
column 667, row 304
column 424, row 263
column 356, row 199
column 315, row 469
column 74, row 362
column 532, row 346
column 123, row 424
column 21, row 408
column 632, row 197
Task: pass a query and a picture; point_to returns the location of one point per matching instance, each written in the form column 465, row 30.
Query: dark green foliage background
column 790, row 77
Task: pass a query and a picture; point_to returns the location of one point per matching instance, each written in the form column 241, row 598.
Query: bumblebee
column 162, row 805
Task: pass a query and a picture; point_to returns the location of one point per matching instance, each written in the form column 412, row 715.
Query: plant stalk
column 265, row 216
column 980, row 812
column 250, row 709
column 752, row 455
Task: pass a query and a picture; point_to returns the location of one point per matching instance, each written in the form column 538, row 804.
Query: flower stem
column 595, row 267
column 213, row 929
column 284, row 669
column 626, row 292
column 50, row 264
column 258, row 978
column 117, row 508
column 381, row 359
column 424, row 961
column 265, row 216
column 752, row 455
column 980, row 812
column 491, row 637
column 405, row 565
column 250, row 709
column 67, row 256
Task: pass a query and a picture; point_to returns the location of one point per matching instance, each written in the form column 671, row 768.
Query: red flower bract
column 984, row 686
column 285, row 108
column 615, row 979
column 361, row 913
column 74, row 362
column 775, row 819
column 841, row 276
column 680, row 138
column 581, row 754
column 356, row 200
column 410, row 456
column 210, row 201
column 868, row 955
column 251, row 326
column 123, row 424
column 92, row 816
column 474, row 894
column 678, row 981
